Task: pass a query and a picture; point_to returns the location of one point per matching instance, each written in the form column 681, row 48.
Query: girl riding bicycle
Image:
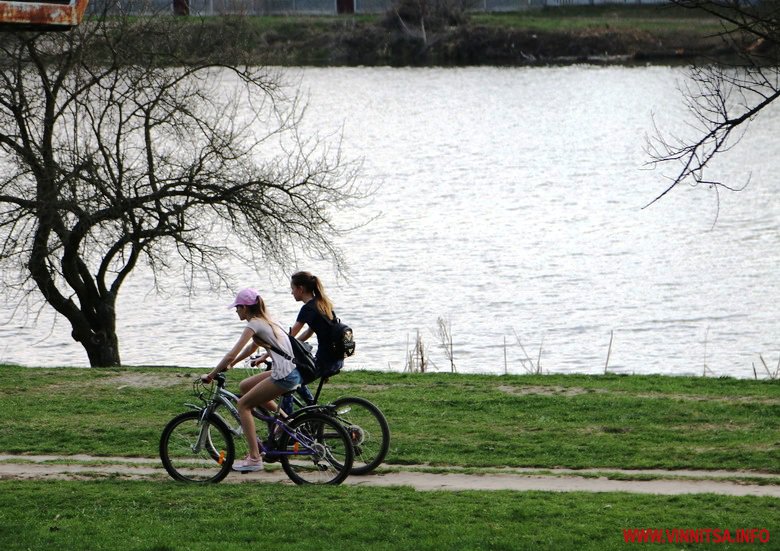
column 317, row 315
column 258, row 390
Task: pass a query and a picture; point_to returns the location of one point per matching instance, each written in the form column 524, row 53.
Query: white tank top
column 264, row 333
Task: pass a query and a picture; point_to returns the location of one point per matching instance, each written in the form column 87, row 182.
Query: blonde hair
column 312, row 284
column 258, row 310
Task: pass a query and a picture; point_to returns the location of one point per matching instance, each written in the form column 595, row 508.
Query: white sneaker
column 248, row 465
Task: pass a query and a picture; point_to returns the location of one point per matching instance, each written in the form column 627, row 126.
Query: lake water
column 510, row 204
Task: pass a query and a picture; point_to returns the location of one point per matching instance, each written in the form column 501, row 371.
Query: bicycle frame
column 302, row 404
column 223, row 397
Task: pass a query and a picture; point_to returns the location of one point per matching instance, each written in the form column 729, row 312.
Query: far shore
column 596, row 35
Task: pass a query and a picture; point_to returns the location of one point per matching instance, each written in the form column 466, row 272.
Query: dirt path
column 80, row 467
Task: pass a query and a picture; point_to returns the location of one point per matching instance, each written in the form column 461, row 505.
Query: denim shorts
column 291, row 382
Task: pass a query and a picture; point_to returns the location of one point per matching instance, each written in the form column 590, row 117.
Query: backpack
column 302, row 358
column 343, row 342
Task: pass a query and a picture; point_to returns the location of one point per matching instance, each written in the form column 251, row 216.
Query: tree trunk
column 94, row 327
column 102, row 349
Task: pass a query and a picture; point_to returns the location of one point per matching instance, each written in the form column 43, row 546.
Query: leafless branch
column 722, row 100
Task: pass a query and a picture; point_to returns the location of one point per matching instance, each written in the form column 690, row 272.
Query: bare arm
column 261, row 359
column 248, row 351
column 296, row 328
column 230, row 358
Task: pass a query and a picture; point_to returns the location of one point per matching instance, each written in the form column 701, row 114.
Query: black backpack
column 343, row 342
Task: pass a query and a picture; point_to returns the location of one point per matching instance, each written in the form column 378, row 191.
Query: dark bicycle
column 365, row 423
column 198, row 445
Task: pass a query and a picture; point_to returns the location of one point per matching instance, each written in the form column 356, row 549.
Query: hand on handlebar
column 258, row 360
column 206, row 379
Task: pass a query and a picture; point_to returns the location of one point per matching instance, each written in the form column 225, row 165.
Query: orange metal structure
column 41, row 15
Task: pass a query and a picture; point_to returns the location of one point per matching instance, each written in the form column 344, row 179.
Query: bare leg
column 250, row 382
column 247, row 384
column 259, row 395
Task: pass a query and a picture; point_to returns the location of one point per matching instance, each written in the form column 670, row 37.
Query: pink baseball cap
column 245, row 297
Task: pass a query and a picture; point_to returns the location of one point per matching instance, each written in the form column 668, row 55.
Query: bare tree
column 723, row 98
column 116, row 149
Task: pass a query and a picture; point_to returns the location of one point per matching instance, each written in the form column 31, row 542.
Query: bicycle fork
column 203, row 432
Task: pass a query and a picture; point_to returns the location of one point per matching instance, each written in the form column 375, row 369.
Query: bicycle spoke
column 325, row 451
column 195, row 452
column 368, row 430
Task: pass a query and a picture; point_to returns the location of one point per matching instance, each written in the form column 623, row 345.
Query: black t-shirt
column 319, row 324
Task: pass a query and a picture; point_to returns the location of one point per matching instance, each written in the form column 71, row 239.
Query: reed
column 444, row 331
column 417, row 360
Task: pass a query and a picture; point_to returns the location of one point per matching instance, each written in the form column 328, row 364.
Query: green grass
column 466, row 421
column 169, row 516
column 436, row 419
column 562, row 34
column 663, row 19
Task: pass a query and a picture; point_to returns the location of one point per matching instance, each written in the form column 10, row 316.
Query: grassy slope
column 438, row 419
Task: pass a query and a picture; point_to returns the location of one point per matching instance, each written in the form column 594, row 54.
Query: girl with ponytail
column 316, row 315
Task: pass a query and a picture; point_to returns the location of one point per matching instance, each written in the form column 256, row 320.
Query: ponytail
column 324, row 304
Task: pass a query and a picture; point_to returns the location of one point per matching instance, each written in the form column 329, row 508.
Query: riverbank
column 605, row 34
column 476, row 43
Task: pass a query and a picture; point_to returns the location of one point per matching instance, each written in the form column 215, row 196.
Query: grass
column 169, row 516
column 655, row 19
column 516, row 38
column 444, row 421
column 572, row 421
column 661, row 19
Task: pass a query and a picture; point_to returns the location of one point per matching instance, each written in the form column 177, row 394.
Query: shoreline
column 759, row 377
column 478, row 41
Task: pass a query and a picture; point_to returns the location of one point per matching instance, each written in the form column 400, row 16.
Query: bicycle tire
column 331, row 450
column 368, row 430
column 211, row 464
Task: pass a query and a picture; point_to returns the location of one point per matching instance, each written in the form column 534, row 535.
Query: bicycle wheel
column 192, row 452
column 368, row 430
column 320, row 450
